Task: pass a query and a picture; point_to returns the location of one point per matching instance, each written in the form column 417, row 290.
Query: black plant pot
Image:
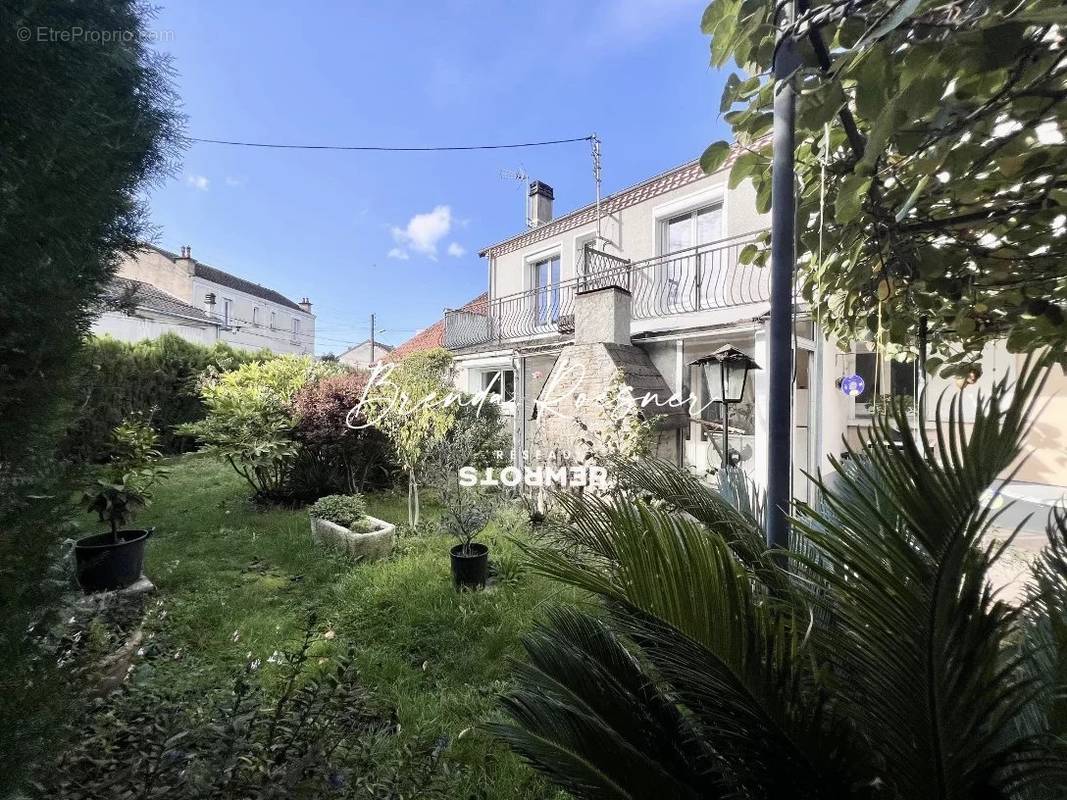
column 105, row 564
column 469, row 570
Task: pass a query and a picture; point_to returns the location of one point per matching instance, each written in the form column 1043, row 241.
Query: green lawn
column 236, row 582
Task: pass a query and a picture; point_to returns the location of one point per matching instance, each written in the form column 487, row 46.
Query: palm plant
column 870, row 660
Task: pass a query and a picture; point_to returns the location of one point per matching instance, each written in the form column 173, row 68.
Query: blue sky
column 398, row 234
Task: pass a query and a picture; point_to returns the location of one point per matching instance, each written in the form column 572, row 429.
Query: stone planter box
column 364, row 546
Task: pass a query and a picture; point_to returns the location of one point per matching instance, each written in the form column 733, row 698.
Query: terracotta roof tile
column 434, row 336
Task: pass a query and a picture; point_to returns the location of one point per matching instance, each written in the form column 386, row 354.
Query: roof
column 434, row 336
column 129, row 292
column 377, row 346
column 664, row 182
column 223, row 278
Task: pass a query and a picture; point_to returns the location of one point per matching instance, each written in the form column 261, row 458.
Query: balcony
column 697, row 279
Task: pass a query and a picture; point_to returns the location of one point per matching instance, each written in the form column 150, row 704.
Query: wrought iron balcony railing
column 702, row 278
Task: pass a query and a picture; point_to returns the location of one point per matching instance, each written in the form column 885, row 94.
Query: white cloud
column 456, row 250
column 423, row 232
column 398, row 253
column 232, row 181
column 197, row 182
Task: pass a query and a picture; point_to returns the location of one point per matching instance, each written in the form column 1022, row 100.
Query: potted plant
column 342, row 520
column 477, row 439
column 466, row 514
column 115, row 559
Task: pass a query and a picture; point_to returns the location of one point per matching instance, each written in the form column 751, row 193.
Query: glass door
column 678, row 236
column 688, row 270
column 546, row 291
column 711, row 274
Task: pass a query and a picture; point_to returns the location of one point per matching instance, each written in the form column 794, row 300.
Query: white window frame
column 255, row 316
column 530, row 264
column 227, row 312
column 691, row 204
column 885, row 378
column 273, row 321
column 499, row 389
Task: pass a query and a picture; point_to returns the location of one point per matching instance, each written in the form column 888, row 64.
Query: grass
column 236, row 583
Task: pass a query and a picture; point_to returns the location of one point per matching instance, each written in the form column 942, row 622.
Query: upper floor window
column 255, row 315
column 546, row 287
column 227, row 312
column 273, row 320
column 296, row 328
column 693, row 228
column 683, row 268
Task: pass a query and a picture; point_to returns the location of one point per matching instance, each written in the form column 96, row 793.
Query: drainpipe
column 520, row 414
column 783, row 263
column 815, row 404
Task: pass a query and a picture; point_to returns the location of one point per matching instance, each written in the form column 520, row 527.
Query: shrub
column 336, row 457
column 38, row 690
column 345, row 510
column 158, row 378
column 249, row 423
column 314, row 736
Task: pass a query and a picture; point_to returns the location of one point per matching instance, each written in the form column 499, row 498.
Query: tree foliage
column 407, row 405
column 878, row 662
column 930, row 144
column 86, row 125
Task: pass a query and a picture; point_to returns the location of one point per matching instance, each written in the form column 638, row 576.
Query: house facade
column 365, row 354
column 228, row 308
column 651, row 288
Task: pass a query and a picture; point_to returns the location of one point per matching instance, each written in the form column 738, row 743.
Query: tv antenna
column 523, row 177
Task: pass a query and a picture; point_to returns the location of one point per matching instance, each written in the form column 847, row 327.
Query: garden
column 229, row 574
column 300, row 602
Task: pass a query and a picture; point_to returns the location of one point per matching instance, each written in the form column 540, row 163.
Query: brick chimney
column 185, row 260
column 539, row 204
column 305, row 305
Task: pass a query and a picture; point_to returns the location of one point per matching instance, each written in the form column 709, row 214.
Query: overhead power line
column 391, row 149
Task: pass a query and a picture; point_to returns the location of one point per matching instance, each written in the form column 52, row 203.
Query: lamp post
column 732, row 366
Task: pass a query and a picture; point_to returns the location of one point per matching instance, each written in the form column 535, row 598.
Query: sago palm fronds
column 873, row 660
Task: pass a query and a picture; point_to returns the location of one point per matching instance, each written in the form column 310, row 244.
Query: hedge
column 157, row 378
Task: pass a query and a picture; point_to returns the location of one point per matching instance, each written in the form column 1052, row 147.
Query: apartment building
column 651, row 283
column 157, row 291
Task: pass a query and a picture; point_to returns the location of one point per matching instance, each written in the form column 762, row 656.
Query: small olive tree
column 408, row 402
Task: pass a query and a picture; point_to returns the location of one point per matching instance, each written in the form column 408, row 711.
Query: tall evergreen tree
column 88, row 119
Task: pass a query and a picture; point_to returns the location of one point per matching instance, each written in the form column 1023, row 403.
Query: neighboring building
column 234, row 310
column 660, row 287
column 365, row 354
column 135, row 311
